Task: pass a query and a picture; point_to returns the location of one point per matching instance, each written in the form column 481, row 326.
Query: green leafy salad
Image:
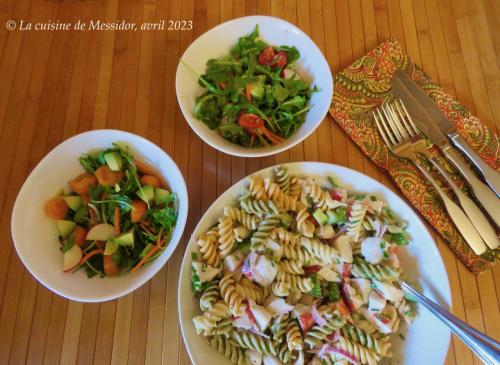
column 117, row 217
column 254, row 97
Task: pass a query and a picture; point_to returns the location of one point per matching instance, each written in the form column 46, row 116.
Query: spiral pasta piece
column 249, row 340
column 282, row 178
column 264, row 231
column 284, row 353
column 286, row 238
column 226, row 236
column 282, row 200
column 250, row 291
column 363, row 269
column 295, row 187
column 380, row 345
column 294, row 336
column 323, row 252
column 229, row 350
column 261, row 208
column 208, row 244
column 279, row 326
column 296, row 253
column 355, row 221
column 209, row 318
column 296, row 282
column 256, row 188
column 318, row 334
column 247, row 220
column 364, row 355
column 210, row 295
column 280, row 288
column 224, row 327
column 291, row 266
column 230, row 295
column 303, row 225
column 320, row 198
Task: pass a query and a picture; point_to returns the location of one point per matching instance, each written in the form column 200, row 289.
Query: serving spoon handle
column 486, row 348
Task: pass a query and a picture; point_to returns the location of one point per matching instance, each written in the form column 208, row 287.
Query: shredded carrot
column 275, row 139
column 159, row 244
column 90, row 254
column 117, row 220
column 150, row 253
column 91, row 216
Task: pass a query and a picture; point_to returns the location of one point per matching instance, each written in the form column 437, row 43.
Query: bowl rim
column 253, row 152
column 447, row 295
column 180, row 224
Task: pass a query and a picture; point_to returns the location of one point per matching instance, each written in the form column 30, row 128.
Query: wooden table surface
column 54, row 84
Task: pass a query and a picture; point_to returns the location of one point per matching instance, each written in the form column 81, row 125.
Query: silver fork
column 403, row 139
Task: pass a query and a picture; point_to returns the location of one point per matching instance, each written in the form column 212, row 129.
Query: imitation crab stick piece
column 151, row 180
column 56, row 208
column 81, row 183
column 138, row 211
column 108, row 177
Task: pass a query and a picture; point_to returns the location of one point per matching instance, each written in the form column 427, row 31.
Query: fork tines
column 394, row 123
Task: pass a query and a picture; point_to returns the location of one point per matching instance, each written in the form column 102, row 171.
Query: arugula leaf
column 88, row 163
column 165, row 217
column 68, row 243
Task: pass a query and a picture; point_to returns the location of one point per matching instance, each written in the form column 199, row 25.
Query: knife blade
column 434, row 124
column 424, row 111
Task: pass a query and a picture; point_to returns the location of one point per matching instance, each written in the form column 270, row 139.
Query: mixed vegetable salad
column 118, row 216
column 254, row 97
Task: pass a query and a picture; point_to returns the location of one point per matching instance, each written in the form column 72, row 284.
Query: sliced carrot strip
column 116, row 221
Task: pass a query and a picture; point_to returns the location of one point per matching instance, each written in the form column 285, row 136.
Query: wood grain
column 57, row 84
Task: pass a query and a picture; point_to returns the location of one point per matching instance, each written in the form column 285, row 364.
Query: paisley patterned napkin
column 362, row 87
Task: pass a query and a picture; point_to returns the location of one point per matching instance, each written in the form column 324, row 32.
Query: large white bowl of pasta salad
column 298, row 264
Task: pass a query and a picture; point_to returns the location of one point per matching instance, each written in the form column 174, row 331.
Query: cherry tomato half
column 266, row 56
column 280, row 59
column 250, row 121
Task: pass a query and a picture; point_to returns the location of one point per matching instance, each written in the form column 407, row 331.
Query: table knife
column 433, row 123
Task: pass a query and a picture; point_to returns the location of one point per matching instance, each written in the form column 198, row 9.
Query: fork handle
column 485, row 195
column 486, row 348
column 491, row 176
column 458, row 217
column 470, row 208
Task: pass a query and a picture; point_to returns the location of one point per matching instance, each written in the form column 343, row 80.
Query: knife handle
column 485, row 195
column 463, row 224
column 470, row 208
column 491, row 176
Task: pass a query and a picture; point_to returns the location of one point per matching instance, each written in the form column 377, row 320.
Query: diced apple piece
column 72, row 258
column 329, row 275
column 371, row 251
column 325, row 231
column 271, row 360
column 205, row 272
column 342, row 244
column 264, row 271
column 101, row 232
column 389, row 291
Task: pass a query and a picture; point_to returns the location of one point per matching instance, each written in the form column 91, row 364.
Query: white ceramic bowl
column 218, row 41
column 35, row 235
column 421, row 264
